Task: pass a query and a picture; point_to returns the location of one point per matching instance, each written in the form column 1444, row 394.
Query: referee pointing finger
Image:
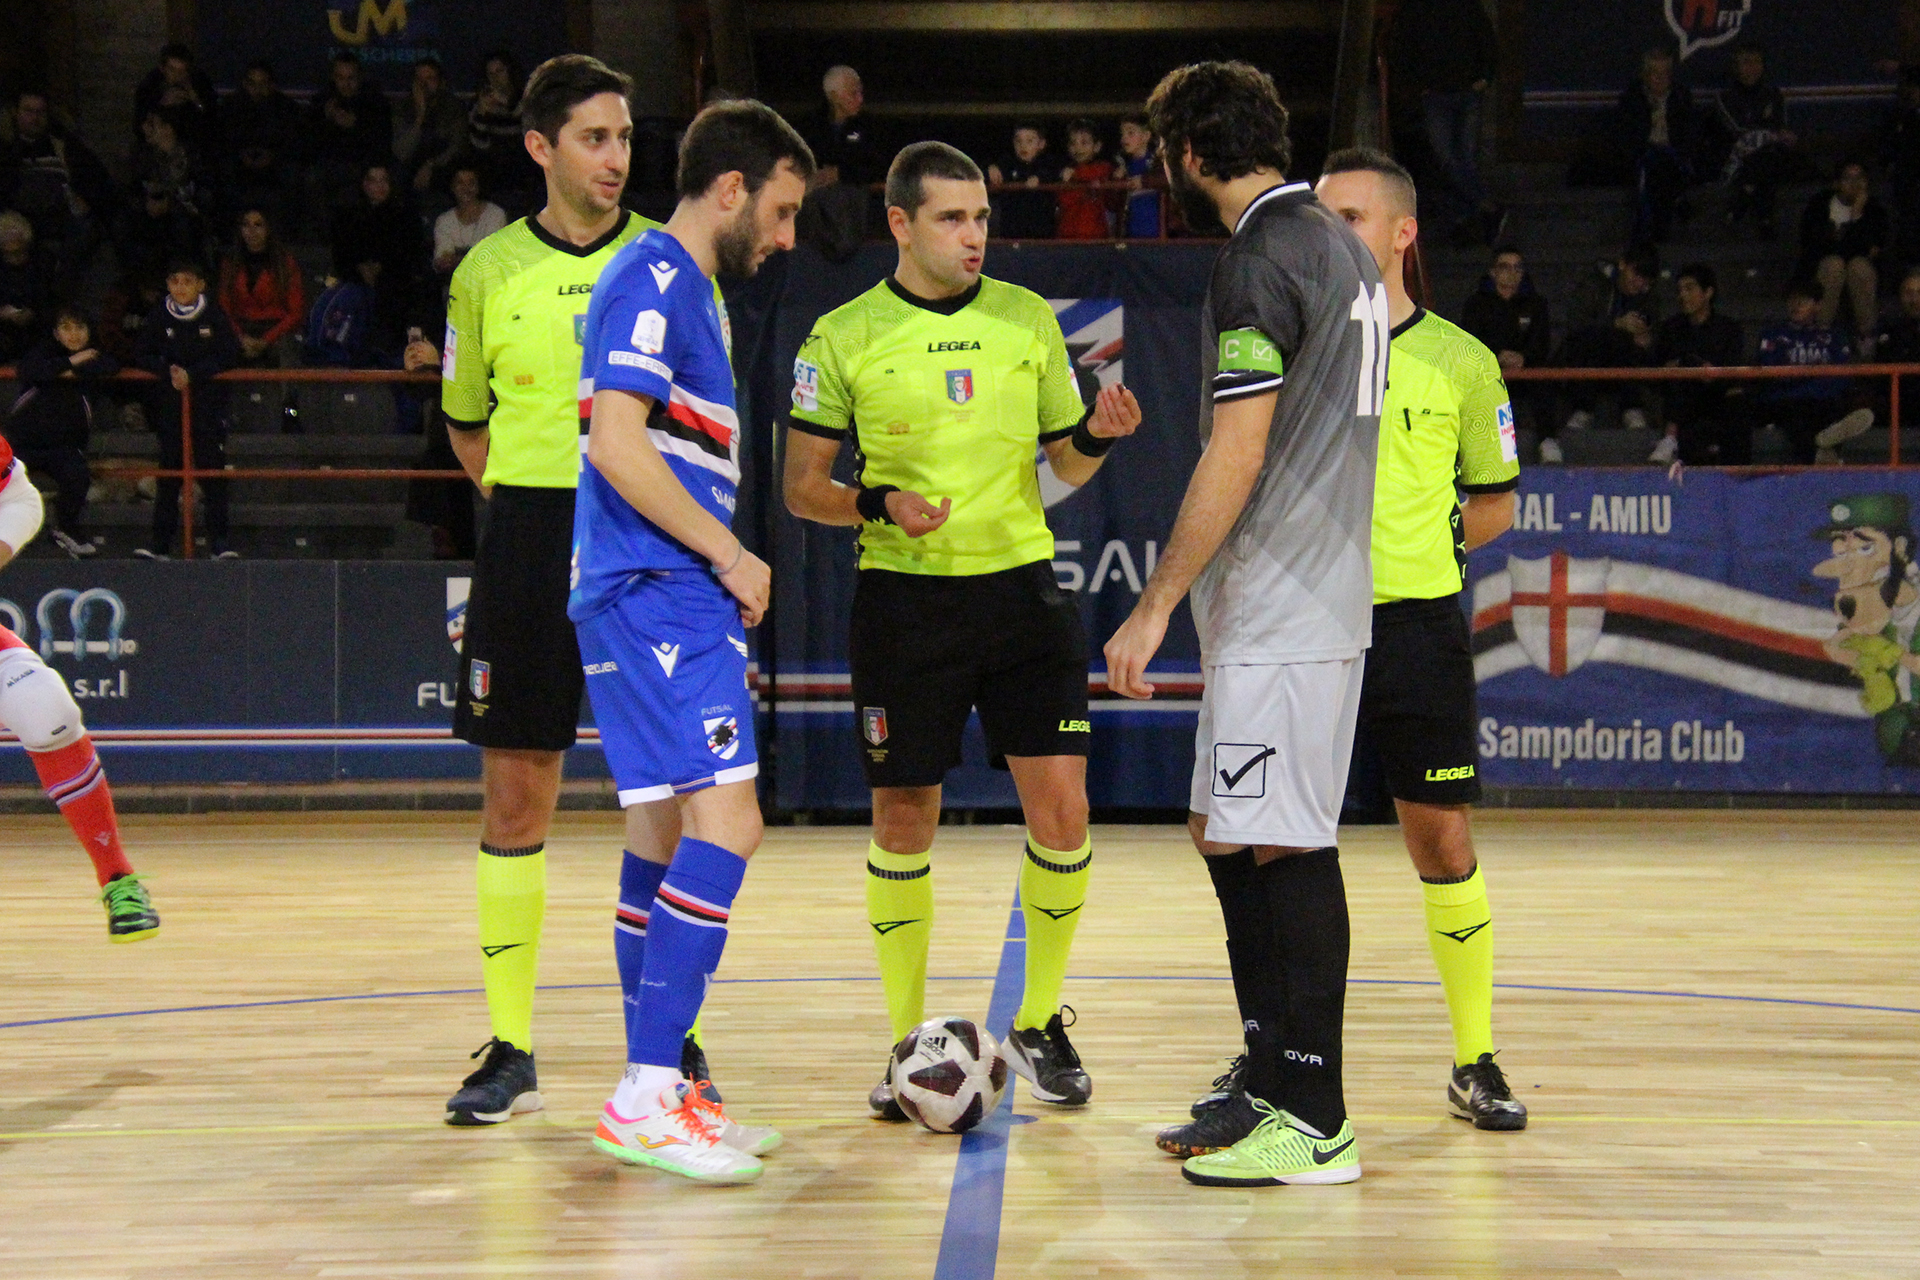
column 947, row 381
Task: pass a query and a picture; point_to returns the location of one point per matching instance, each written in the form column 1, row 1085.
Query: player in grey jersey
column 1273, row 541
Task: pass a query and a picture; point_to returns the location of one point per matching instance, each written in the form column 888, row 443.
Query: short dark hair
column 1137, row 117
column 75, row 312
column 260, row 64
column 429, row 60
column 176, row 51
column 907, row 175
column 1228, row 112
column 743, row 136
column 1805, row 287
column 185, row 263
column 562, row 83
column 345, row 57
column 1700, row 273
column 1370, row 160
column 1852, row 162
column 1643, row 256
column 1080, row 124
column 1504, row 248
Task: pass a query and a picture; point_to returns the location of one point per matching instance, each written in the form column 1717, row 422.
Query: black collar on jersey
column 939, row 306
column 1419, row 314
column 1277, row 189
column 552, row 241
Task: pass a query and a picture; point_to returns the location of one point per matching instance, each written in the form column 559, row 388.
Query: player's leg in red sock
column 36, row 705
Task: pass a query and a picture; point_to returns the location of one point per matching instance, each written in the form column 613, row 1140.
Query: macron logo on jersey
column 662, row 274
column 668, row 655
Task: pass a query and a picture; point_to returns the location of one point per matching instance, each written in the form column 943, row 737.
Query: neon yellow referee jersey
column 949, row 399
column 1446, row 420
column 512, row 354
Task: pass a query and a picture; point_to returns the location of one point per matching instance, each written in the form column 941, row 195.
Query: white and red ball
column 948, row 1075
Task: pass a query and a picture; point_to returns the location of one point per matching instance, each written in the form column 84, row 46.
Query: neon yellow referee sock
column 513, row 904
column 1460, row 932
column 900, row 909
column 1053, row 888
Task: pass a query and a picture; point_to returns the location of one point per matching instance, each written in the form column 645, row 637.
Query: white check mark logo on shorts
column 668, row 655
column 1233, row 779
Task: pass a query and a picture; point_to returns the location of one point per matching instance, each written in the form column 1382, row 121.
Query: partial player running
column 38, row 709
column 662, row 594
column 511, row 376
column 1447, row 422
column 1272, row 539
column 950, row 384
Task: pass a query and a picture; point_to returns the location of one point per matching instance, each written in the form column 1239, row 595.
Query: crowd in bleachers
column 324, row 232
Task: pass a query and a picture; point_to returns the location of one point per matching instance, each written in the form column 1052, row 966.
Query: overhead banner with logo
column 300, row 37
column 1718, row 633
column 254, row 672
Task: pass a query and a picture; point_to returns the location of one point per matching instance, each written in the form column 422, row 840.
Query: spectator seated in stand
column 351, row 127
column 1843, row 234
column 62, row 392
column 1445, row 52
column 1652, row 143
column 841, row 209
column 26, row 287
column 157, row 232
column 49, row 175
column 1085, row 215
column 430, row 130
column 466, row 224
column 264, row 295
column 1811, row 412
column 183, row 91
column 1705, row 425
column 165, row 159
column 1755, row 145
column 260, row 129
column 1135, row 165
column 496, row 141
column 378, row 240
column 186, row 341
column 1024, row 215
column 1898, row 342
column 1511, row 317
column 1610, row 326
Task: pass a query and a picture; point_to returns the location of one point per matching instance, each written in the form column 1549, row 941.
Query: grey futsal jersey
column 1296, row 306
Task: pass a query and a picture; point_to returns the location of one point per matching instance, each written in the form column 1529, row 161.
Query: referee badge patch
column 959, row 385
column 479, row 678
column 873, row 723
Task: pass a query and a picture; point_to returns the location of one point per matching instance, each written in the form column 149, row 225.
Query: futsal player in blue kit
column 662, row 593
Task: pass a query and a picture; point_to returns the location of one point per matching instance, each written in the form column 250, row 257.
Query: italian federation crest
column 959, row 385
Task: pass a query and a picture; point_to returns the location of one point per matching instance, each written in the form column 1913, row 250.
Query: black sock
column 1259, row 987
column 1307, row 901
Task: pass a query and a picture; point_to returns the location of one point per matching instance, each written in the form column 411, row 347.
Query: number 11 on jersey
column 1376, row 335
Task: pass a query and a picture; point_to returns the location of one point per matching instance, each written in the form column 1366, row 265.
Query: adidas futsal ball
column 948, row 1074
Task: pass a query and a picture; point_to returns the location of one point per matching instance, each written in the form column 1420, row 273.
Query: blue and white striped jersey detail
column 654, row 329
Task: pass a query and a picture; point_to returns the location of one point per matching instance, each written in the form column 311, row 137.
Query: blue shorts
column 666, row 668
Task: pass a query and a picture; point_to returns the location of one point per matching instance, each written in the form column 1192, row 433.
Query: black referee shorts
column 520, row 677
column 925, row 650
column 1417, row 700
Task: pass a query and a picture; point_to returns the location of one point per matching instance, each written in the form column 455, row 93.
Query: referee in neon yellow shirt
column 1447, row 422
column 949, row 384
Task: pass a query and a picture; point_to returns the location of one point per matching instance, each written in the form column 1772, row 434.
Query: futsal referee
column 1447, row 421
column 948, row 382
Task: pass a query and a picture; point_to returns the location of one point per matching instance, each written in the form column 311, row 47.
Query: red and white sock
column 75, row 781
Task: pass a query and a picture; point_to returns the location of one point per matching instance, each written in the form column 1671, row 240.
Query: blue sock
column 687, row 931
column 639, row 881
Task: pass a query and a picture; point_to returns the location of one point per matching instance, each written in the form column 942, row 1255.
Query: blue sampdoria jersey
column 654, row 328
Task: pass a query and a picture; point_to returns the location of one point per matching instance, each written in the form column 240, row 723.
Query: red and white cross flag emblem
column 1559, row 604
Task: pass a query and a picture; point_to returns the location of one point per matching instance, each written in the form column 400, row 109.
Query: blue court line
column 961, row 977
column 970, row 1240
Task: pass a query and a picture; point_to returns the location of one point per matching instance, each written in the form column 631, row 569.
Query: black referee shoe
column 505, row 1086
column 1215, row 1129
column 1224, row 1087
column 693, row 1065
column 1046, row 1058
column 1479, row 1092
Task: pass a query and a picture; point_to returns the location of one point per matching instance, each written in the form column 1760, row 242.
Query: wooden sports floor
column 1715, row 1020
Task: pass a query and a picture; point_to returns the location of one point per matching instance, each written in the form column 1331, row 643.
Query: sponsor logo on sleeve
column 650, row 333
column 634, row 360
column 806, row 385
column 1509, row 444
column 449, row 359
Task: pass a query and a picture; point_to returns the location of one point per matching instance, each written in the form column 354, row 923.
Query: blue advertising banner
column 1723, row 632
column 256, row 672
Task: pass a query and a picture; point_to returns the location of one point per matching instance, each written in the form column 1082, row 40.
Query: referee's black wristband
column 1086, row 442
column 872, row 503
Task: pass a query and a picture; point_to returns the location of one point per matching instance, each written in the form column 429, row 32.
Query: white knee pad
column 35, row 702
